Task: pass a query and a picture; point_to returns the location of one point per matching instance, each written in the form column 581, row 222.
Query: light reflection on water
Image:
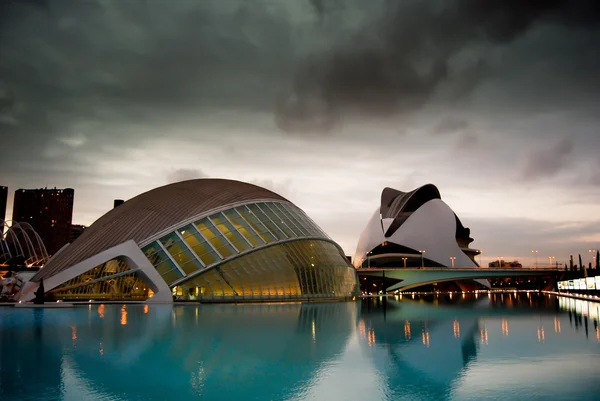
column 505, row 346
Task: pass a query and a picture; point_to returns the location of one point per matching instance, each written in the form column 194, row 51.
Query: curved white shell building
column 411, row 229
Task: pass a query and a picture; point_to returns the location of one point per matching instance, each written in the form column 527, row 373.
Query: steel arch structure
column 19, row 233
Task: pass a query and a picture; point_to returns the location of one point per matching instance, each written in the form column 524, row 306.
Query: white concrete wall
column 432, row 228
column 135, row 259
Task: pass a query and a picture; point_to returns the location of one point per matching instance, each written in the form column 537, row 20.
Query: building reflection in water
column 27, row 362
column 124, row 315
column 505, row 327
column 426, row 365
column 483, row 335
column 580, row 313
column 284, row 344
column 452, row 331
column 413, row 349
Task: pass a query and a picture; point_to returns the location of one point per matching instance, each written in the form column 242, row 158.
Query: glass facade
column 112, row 280
column 291, row 270
column 263, row 250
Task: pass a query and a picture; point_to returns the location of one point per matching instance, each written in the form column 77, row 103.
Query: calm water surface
column 491, row 347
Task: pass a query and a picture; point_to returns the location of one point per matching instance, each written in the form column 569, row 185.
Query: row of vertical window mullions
column 309, row 268
column 284, row 210
column 289, row 217
column 285, row 219
column 96, row 272
column 221, row 236
column 260, row 270
column 308, row 225
column 276, row 271
column 170, row 257
column 209, row 235
column 158, row 258
column 162, row 260
column 337, row 270
column 276, row 218
column 256, row 225
column 251, row 274
column 238, row 220
column 242, row 242
column 269, row 216
column 102, row 287
column 257, row 270
column 204, row 243
column 307, row 221
column 279, row 269
column 303, row 272
column 231, row 271
column 191, row 252
column 215, row 237
column 300, row 268
column 266, row 220
column 319, row 268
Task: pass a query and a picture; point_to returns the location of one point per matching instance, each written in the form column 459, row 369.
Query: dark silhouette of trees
column 39, row 294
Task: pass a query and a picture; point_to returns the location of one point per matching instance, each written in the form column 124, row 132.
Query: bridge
column 408, row 278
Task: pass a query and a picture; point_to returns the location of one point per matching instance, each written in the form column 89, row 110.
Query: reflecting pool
column 496, row 346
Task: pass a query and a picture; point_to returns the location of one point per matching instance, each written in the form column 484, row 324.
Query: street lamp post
column 550, row 258
column 369, row 260
column 593, row 252
column 452, row 258
column 422, row 258
column 404, row 260
column 499, row 261
column 535, row 251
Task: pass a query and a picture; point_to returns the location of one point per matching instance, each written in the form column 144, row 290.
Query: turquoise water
column 493, row 347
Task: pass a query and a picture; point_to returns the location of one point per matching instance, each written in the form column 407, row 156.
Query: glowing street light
column 593, row 252
column 535, row 251
column 369, row 260
column 550, row 258
column 499, row 261
column 404, row 260
column 452, row 258
column 422, row 258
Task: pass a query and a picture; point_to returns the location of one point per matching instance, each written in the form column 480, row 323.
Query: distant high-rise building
column 49, row 211
column 76, row 231
column 3, row 199
column 118, row 202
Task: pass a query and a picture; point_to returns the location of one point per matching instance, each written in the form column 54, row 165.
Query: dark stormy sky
column 324, row 101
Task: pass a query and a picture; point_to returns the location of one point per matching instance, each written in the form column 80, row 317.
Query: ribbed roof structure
column 399, row 205
column 152, row 212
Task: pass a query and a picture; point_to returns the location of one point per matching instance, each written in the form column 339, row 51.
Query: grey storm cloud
column 311, row 63
column 184, row 174
column 450, row 125
column 402, row 52
column 544, row 161
column 306, row 97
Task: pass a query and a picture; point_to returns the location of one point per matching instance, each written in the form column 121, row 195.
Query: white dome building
column 412, row 229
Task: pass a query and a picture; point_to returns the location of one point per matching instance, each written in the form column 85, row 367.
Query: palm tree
column 582, row 267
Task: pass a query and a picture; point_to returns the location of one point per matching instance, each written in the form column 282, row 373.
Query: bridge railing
column 538, row 267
